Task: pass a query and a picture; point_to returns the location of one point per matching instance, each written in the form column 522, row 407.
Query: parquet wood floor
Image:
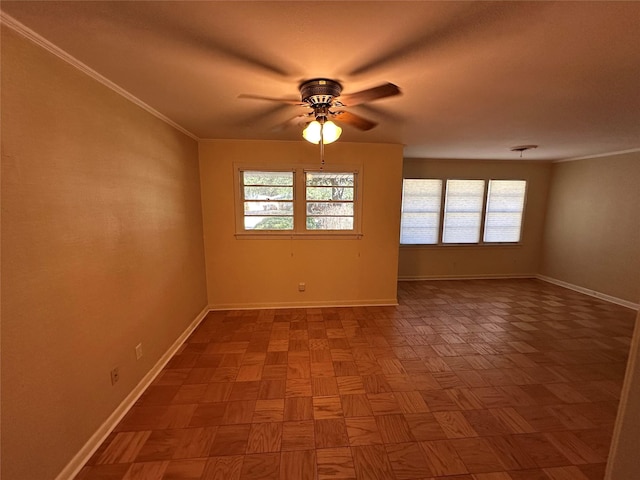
column 464, row 380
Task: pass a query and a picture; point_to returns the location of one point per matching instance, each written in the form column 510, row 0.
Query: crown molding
column 34, row 37
column 598, row 155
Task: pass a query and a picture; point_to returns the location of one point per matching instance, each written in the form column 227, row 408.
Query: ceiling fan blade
column 264, row 114
column 377, row 111
column 354, row 120
column 294, row 121
column 163, row 23
column 291, row 101
column 474, row 20
column 369, row 95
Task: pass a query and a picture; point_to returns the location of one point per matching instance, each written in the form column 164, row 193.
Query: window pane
column 329, row 193
column 330, row 179
column 267, row 178
column 420, row 211
column 463, row 211
column 268, row 208
column 329, row 223
column 329, row 209
column 505, row 204
column 268, row 193
column 268, row 223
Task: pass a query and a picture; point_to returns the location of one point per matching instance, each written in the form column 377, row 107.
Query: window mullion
column 299, row 202
column 484, row 211
column 443, row 193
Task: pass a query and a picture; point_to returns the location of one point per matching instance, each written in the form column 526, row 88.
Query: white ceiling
column 477, row 77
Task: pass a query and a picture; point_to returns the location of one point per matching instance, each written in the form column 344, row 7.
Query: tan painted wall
column 101, row 249
column 592, row 231
column 624, row 461
column 266, row 272
column 444, row 261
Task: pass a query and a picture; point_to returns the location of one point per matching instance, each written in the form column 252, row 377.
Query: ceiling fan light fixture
column 329, row 131
column 312, row 132
column 523, row 148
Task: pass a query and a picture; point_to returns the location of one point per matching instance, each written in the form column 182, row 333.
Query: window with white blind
column 466, row 212
column 505, row 206
column 420, row 221
column 463, row 211
column 297, row 201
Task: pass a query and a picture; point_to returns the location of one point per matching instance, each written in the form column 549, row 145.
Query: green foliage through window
column 330, row 200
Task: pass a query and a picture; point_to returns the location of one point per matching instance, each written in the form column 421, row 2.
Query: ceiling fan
column 325, row 100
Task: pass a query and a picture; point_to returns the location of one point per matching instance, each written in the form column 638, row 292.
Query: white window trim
column 299, row 203
column 481, row 243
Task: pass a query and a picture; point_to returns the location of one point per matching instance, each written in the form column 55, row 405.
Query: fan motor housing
column 320, row 91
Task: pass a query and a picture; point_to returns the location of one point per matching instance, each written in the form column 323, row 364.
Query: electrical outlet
column 115, row 375
column 139, row 351
column 302, row 287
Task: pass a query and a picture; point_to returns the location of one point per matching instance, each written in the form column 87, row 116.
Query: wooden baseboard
column 464, row 277
column 326, row 304
column 591, row 293
column 85, row 453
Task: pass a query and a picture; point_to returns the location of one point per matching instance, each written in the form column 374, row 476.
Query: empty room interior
column 320, row 240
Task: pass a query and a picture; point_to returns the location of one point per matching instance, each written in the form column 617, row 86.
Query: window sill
column 299, row 236
column 461, row 245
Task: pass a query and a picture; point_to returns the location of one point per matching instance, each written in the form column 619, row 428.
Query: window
column 329, row 198
column 463, row 211
column 420, row 221
column 505, row 205
column 468, row 210
column 297, row 201
column 268, row 200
